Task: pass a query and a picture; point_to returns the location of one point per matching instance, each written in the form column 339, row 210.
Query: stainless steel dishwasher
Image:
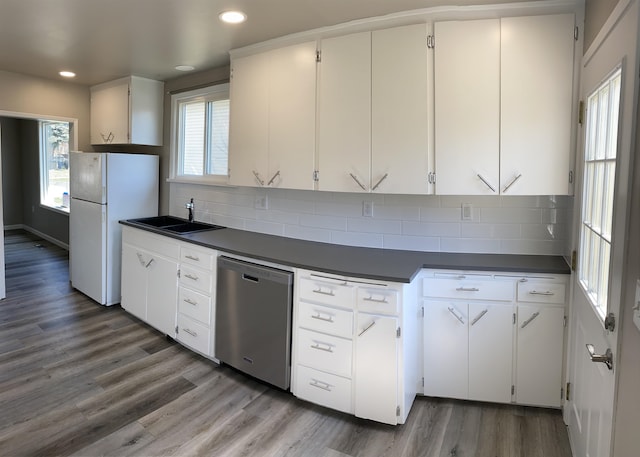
column 253, row 320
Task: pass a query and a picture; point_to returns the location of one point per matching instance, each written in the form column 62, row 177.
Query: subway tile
column 399, row 212
column 430, row 229
column 511, row 215
column 282, row 217
column 441, row 214
column 411, row 243
column 322, row 221
column 270, row 228
column 370, row 240
column 480, row 201
column 425, row 201
column 490, row 231
column 307, row 233
column 543, row 232
column 370, row 225
column 352, row 209
column 470, row 245
column 533, row 247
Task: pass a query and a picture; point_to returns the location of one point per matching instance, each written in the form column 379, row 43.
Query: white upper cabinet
column 273, row 117
column 127, row 111
column 467, row 107
column 503, row 104
column 536, row 75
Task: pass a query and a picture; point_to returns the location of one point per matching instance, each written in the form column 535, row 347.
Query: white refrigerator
column 105, row 188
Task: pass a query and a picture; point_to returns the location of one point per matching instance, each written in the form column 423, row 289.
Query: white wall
column 510, row 225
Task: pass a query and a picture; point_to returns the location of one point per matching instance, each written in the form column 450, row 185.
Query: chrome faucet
column 190, row 206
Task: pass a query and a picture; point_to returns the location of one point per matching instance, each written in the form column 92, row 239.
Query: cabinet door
column 162, row 294
column 446, row 349
column 292, row 116
column 344, row 136
column 467, row 107
column 110, row 114
column 539, row 355
column 490, row 352
column 536, row 101
column 249, row 121
column 399, row 142
column 376, row 368
column 134, row 281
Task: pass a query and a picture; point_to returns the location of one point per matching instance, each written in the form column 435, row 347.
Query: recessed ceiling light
column 67, row 74
column 185, row 68
column 233, row 17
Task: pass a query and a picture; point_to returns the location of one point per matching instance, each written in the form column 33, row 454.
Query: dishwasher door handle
column 246, row 277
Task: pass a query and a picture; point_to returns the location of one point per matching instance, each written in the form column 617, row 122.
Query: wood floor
column 80, row 379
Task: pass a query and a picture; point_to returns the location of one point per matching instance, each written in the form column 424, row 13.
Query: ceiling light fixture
column 67, row 74
column 233, row 17
column 185, row 68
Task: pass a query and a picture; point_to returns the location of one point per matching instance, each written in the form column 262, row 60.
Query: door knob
column 606, row 358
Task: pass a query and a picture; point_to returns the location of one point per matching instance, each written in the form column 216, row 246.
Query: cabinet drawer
column 199, row 257
column 325, row 352
column 323, row 388
column 468, row 289
column 327, row 292
column 194, row 305
column 193, row 334
column 334, row 321
column 541, row 292
column 159, row 244
column 195, row 278
column 376, row 300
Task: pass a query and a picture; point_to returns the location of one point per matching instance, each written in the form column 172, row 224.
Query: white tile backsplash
column 510, row 225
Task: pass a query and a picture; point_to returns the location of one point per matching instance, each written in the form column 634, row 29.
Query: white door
column 600, row 231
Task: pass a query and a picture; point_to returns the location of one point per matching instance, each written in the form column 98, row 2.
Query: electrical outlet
column 367, row 209
column 261, row 202
column 467, row 212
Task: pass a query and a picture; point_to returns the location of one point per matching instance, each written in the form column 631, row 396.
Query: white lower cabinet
column 355, row 345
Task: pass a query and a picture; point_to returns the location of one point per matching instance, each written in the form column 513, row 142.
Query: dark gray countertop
column 371, row 263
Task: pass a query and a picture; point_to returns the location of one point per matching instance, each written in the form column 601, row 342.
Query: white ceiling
column 101, row 40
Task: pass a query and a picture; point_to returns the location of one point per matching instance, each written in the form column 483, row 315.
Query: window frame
column 210, row 93
column 43, row 168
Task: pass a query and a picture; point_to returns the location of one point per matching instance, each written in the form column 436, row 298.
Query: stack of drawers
column 196, row 299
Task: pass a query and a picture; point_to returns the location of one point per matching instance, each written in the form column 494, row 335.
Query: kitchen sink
column 176, row 224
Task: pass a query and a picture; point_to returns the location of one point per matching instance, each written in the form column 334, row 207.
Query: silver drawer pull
column 273, row 178
column 322, row 292
column 190, row 332
column 375, row 300
column 380, row 182
column 528, row 321
column 194, row 278
column 456, row 315
column 320, row 348
column 320, row 385
column 149, row 263
column 486, row 183
column 467, row 289
column 367, row 328
column 191, row 302
column 320, row 318
column 479, row 316
column 506, row 188
column 191, row 257
column 357, row 181
column 535, row 292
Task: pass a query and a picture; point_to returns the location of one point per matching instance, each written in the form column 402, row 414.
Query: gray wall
column 596, row 14
column 11, row 171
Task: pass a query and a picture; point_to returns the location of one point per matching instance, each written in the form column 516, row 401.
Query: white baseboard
column 44, row 236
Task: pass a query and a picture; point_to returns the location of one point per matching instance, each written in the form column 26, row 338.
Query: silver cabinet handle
column 606, row 358
column 479, row 316
column 375, row 300
column 486, row 183
column 194, row 278
column 467, row 289
column 528, row 321
column 322, row 292
column 191, row 302
column 191, row 257
column 380, row 182
column 149, row 263
column 107, row 138
column 273, row 178
column 506, row 188
column 456, row 315
column 320, row 348
column 319, row 317
column 357, row 181
column 535, row 292
column 190, row 332
column 320, row 385
column 258, row 178
column 367, row 328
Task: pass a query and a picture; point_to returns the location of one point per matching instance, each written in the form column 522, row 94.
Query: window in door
column 601, row 142
column 54, row 164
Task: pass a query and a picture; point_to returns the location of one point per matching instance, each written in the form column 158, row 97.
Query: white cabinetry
column 503, row 104
column 273, row 118
column 150, row 278
column 127, row 111
column 354, row 345
column 372, row 130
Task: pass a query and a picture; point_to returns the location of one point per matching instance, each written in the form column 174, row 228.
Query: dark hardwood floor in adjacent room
column 80, row 379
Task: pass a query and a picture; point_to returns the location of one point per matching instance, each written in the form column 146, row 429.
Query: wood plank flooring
column 80, row 379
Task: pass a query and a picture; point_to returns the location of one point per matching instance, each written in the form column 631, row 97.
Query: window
column 54, row 164
column 201, row 134
column 601, row 141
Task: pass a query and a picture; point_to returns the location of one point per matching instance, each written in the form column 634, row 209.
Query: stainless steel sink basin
column 176, row 224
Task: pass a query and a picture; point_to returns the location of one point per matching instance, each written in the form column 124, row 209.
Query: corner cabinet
column 503, row 105
column 127, row 111
column 273, row 118
column 354, row 345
